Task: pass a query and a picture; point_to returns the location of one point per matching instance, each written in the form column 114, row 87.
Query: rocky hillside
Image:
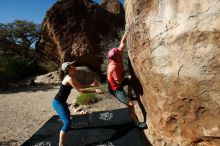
column 174, row 50
column 79, row 30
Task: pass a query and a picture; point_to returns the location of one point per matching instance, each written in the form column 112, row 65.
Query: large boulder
column 51, row 78
column 113, row 6
column 174, row 51
column 74, row 30
column 86, row 76
column 83, row 74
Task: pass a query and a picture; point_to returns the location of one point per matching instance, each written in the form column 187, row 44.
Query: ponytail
column 62, row 75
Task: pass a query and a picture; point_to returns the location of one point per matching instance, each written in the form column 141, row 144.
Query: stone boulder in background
column 74, row 30
column 174, row 47
column 86, row 76
column 83, row 74
column 114, row 7
column 51, row 78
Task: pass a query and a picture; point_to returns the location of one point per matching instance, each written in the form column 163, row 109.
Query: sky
column 30, row 10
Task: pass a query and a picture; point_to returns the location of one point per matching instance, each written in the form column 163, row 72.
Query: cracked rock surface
column 174, row 51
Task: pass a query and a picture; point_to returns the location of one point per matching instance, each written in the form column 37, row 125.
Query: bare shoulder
column 66, row 79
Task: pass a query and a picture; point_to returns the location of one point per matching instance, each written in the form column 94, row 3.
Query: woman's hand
column 95, row 84
column 98, row 91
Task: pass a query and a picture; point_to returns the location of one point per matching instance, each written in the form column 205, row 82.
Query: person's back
column 112, row 76
column 63, row 92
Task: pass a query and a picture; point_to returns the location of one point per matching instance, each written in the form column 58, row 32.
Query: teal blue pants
column 63, row 111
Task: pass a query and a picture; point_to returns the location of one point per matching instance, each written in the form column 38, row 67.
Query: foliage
column 19, row 37
column 16, row 68
column 17, row 52
column 48, row 66
column 86, row 99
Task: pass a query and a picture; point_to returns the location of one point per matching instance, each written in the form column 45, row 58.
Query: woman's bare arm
column 74, row 83
column 94, row 84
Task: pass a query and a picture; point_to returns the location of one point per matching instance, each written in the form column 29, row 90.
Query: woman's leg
column 61, row 138
column 64, row 114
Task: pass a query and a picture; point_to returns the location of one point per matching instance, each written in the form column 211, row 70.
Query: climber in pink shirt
column 116, row 79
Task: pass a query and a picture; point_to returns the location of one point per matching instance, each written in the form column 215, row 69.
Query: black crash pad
column 102, row 118
column 104, row 128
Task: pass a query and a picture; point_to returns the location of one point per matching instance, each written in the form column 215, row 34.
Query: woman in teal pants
column 59, row 103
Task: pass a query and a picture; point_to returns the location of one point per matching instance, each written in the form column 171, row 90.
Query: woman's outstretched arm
column 74, row 83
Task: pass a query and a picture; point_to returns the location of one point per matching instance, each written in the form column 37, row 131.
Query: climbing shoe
column 141, row 125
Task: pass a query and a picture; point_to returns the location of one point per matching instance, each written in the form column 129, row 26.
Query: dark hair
column 62, row 74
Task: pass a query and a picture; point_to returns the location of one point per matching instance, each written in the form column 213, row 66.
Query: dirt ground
column 23, row 110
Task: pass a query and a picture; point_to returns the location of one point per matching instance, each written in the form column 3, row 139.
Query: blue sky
column 31, row 10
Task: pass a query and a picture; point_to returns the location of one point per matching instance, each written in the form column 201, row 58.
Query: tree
column 19, row 37
column 17, row 41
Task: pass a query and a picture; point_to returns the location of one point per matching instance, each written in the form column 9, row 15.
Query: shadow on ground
column 26, row 88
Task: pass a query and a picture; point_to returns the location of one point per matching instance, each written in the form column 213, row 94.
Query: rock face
column 174, row 51
column 86, row 76
column 113, row 6
column 51, row 78
column 73, row 30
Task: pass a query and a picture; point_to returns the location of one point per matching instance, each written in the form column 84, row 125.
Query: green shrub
column 15, row 68
column 86, row 99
